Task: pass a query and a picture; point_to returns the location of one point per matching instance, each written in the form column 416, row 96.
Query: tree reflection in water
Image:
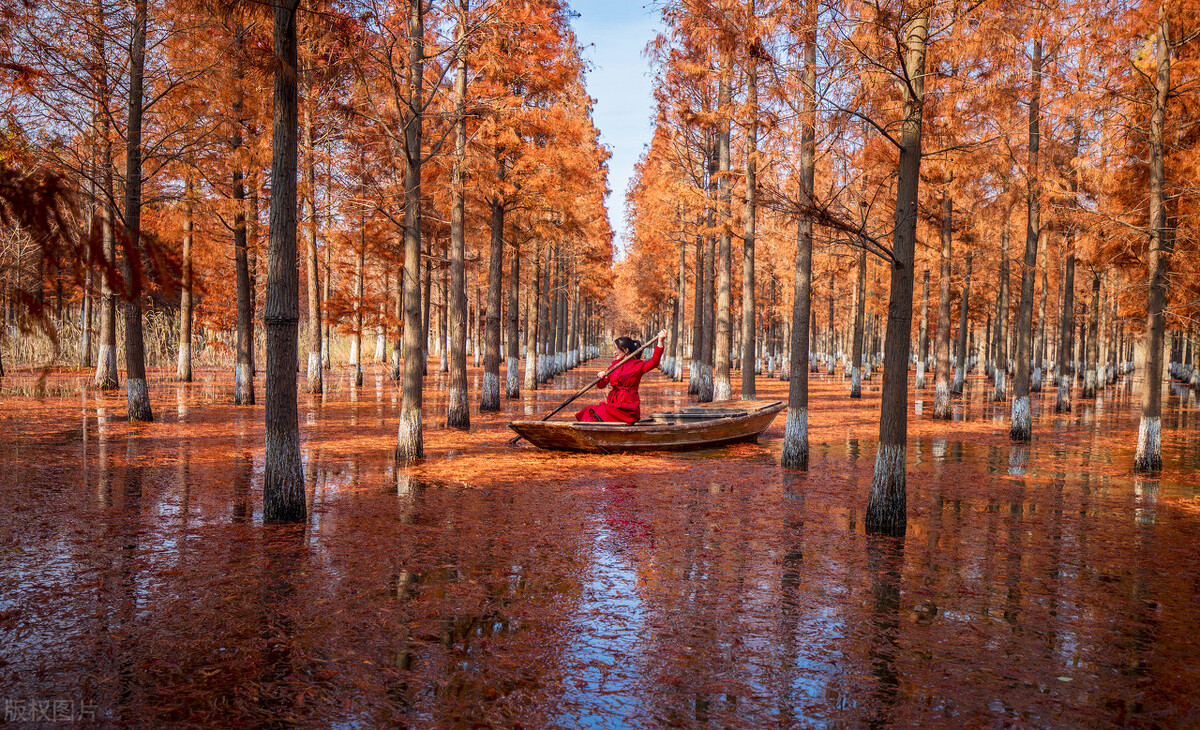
column 1038, row 585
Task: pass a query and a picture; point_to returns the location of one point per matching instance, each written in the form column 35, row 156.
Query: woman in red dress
column 622, row 403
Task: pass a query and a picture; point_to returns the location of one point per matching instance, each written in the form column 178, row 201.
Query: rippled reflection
column 1039, row 584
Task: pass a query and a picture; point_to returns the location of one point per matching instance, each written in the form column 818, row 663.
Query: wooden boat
column 696, row 427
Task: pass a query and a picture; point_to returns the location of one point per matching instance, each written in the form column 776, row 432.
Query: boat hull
column 750, row 420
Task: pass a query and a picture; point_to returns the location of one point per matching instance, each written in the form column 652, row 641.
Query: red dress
column 622, row 403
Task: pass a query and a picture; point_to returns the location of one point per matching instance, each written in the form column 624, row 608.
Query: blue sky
column 613, row 34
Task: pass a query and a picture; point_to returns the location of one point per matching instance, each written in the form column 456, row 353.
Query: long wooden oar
column 590, row 385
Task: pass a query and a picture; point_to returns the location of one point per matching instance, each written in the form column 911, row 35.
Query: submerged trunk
column 546, row 313
column 489, row 397
column 309, row 216
column 443, row 324
column 960, row 370
column 531, row 320
column 705, row 394
column 887, row 502
column 722, row 387
column 183, row 365
column 512, row 373
column 856, row 358
column 138, row 397
column 1039, row 350
column 681, row 308
column 695, row 365
column 106, row 355
column 941, row 348
column 1000, row 361
column 1066, row 330
column 1149, row 446
column 359, row 265
column 560, row 324
column 749, row 345
column 1092, row 351
column 243, row 372
column 1021, row 427
column 427, row 294
column 327, row 325
column 923, row 332
column 458, row 411
column 795, row 436
column 395, row 372
column 380, row 316
column 410, row 442
column 283, row 476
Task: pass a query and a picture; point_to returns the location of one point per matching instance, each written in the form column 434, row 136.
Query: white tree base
column 1021, row 428
column 795, row 439
column 941, row 399
column 409, row 438
column 1149, row 446
column 512, row 382
column 887, row 502
column 489, row 398
column 243, row 385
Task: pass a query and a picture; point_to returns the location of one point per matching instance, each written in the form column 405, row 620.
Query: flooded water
column 1039, row 585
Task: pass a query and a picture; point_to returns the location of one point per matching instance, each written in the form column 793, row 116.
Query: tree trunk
column 512, row 373
column 830, row 342
column 1116, row 349
column 887, row 501
column 489, row 399
column 1092, row 351
column 1066, row 319
column 359, row 265
column 326, row 289
column 458, row 411
column 1149, row 447
column 183, row 365
column 410, row 443
column 1039, row 351
column 560, row 321
column 85, row 314
column 749, row 344
column 546, row 314
column 710, row 265
column 923, row 332
column 860, row 306
column 1000, row 364
column 795, row 435
column 722, row 387
column 380, row 317
column 396, row 370
column 681, row 308
column 573, row 335
column 309, row 216
column 283, row 479
column 532, row 308
column 243, row 375
column 106, row 356
column 426, row 294
column 941, row 347
column 1021, row 428
column 135, row 356
column 252, row 263
column 443, row 344
column 987, row 342
column 696, row 365
column 960, row 369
